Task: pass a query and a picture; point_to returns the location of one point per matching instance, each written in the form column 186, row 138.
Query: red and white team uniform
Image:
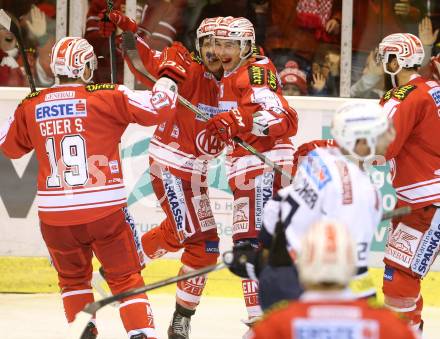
column 179, row 160
column 414, row 240
column 254, row 87
column 332, row 315
column 250, row 95
column 75, row 131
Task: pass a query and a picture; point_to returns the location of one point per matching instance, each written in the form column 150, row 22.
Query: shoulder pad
column 99, row 87
column 399, row 93
column 30, row 96
column 257, row 75
column 196, row 58
column 260, row 76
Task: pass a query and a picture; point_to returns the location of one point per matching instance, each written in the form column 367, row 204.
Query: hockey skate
column 179, row 327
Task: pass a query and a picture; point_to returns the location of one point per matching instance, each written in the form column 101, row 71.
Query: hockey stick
column 111, row 41
column 78, row 326
column 398, row 212
column 129, row 47
column 11, row 25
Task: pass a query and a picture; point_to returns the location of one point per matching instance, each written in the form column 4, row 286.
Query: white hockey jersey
column 328, row 185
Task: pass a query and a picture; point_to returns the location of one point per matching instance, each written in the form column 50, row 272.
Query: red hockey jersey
column 253, row 87
column 415, row 153
column 180, row 143
column 319, row 315
column 75, row 131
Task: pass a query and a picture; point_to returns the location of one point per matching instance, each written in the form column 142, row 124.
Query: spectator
column 369, row 86
column 374, row 19
column 36, row 19
column 291, row 37
column 293, row 80
column 11, row 72
column 324, row 80
column 159, row 23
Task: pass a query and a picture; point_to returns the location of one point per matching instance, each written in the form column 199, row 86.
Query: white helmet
column 407, row 48
column 327, row 254
column 206, row 28
column 359, row 120
column 70, row 55
column 241, row 29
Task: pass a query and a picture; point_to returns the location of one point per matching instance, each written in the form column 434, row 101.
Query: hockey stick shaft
column 112, row 46
column 398, row 212
column 10, row 24
column 129, row 46
column 81, row 320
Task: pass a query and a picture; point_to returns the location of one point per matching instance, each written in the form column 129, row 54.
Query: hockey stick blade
column 398, row 212
column 82, row 318
column 129, row 47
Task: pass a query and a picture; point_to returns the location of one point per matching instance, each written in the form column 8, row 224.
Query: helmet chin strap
column 89, row 79
column 393, row 74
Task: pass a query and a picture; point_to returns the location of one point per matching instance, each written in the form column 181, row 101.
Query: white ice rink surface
column 40, row 316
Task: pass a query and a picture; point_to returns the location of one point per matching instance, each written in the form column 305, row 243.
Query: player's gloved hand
column 164, row 94
column 225, row 126
column 122, row 21
column 106, row 27
column 244, row 260
column 174, row 62
column 260, row 126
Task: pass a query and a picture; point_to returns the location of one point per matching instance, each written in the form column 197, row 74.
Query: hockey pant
column 251, row 192
column 189, row 224
column 412, row 246
column 71, row 249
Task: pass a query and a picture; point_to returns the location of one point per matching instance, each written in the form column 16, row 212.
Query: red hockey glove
column 227, row 125
column 106, row 27
column 164, row 95
column 123, row 22
column 174, row 62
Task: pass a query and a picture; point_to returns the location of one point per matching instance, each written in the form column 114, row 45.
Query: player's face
column 385, row 139
column 228, row 51
column 209, row 57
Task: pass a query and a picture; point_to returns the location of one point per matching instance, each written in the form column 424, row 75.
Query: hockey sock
column 250, row 294
column 189, row 291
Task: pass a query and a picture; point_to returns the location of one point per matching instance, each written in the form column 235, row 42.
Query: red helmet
column 207, row 27
column 70, row 55
column 407, row 48
column 241, row 29
column 435, row 67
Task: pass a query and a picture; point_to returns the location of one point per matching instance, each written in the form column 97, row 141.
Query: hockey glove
column 260, row 126
column 225, row 126
column 106, row 27
column 164, row 95
column 174, row 62
column 122, row 21
column 244, row 260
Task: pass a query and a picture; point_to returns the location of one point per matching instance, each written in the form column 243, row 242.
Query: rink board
column 20, row 236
